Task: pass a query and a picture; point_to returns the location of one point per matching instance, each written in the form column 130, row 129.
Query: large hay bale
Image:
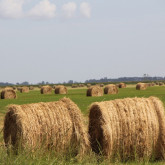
column 110, row 89
column 61, row 89
column 141, row 86
column 53, row 125
column 95, row 91
column 46, row 89
column 129, row 128
column 161, row 83
column 122, row 85
column 8, row 94
column 24, row 89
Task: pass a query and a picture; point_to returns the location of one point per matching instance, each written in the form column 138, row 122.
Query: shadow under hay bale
column 141, row 86
column 95, row 91
column 131, row 128
column 110, row 89
column 8, row 94
column 61, row 89
column 46, row 89
column 24, row 89
column 122, row 85
column 58, row 126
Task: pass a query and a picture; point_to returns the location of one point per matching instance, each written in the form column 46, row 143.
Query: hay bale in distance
column 130, row 128
column 61, row 89
column 89, row 85
column 161, row 83
column 46, row 89
column 141, row 86
column 74, row 86
column 53, row 125
column 95, row 91
column 8, row 94
column 110, row 89
column 31, row 88
column 24, row 89
column 101, row 85
column 122, row 85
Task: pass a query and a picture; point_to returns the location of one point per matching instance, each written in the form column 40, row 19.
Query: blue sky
column 57, row 41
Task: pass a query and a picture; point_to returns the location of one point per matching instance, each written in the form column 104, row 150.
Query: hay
column 161, row 83
column 128, row 128
column 61, row 89
column 8, row 93
column 122, row 85
column 24, row 89
column 89, row 85
column 31, row 88
column 54, row 125
column 141, row 86
column 81, row 85
column 101, row 85
column 46, row 89
column 74, row 86
column 95, row 91
column 110, row 89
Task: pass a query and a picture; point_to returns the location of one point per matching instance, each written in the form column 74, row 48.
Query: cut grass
column 79, row 97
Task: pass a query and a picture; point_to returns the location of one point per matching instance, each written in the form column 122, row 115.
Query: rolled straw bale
column 153, row 84
column 122, row 85
column 61, row 89
column 81, row 85
column 95, row 91
column 31, row 87
column 74, row 85
column 58, row 126
column 46, row 89
column 141, row 86
column 129, row 128
column 161, row 83
column 88, row 85
column 8, row 88
column 101, row 85
column 24, row 89
column 8, row 94
column 110, row 89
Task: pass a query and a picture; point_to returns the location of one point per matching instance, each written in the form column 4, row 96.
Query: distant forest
column 102, row 80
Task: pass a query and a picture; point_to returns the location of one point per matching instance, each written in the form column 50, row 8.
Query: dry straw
column 122, row 85
column 54, row 125
column 8, row 93
column 24, row 89
column 141, row 86
column 31, row 88
column 95, row 91
column 101, row 85
column 161, row 83
column 88, row 85
column 110, row 89
column 129, row 128
column 61, row 89
column 46, row 89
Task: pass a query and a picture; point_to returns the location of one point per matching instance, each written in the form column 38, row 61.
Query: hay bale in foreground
column 130, row 128
column 46, row 89
column 141, row 86
column 61, row 89
column 122, row 85
column 95, row 91
column 24, row 89
column 110, row 89
column 8, row 94
column 53, row 125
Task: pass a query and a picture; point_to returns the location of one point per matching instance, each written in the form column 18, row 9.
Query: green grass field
column 79, row 97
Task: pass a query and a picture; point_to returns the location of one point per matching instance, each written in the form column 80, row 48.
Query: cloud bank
column 44, row 9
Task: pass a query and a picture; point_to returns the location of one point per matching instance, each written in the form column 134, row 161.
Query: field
column 78, row 95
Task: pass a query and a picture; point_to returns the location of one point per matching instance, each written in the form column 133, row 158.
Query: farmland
column 78, row 95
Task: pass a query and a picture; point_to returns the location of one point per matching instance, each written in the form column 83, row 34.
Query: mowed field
column 78, row 95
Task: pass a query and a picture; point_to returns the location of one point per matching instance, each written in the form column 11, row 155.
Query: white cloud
column 44, row 9
column 85, row 9
column 11, row 8
column 69, row 9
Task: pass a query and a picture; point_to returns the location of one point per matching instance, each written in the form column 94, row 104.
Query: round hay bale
column 53, row 125
column 61, row 89
column 141, row 86
column 101, row 85
column 24, row 89
column 153, row 84
column 110, row 89
column 130, row 128
column 161, row 83
column 31, row 88
column 8, row 88
column 81, row 85
column 95, row 91
column 46, row 89
column 88, row 85
column 122, row 85
column 74, row 86
column 8, row 94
